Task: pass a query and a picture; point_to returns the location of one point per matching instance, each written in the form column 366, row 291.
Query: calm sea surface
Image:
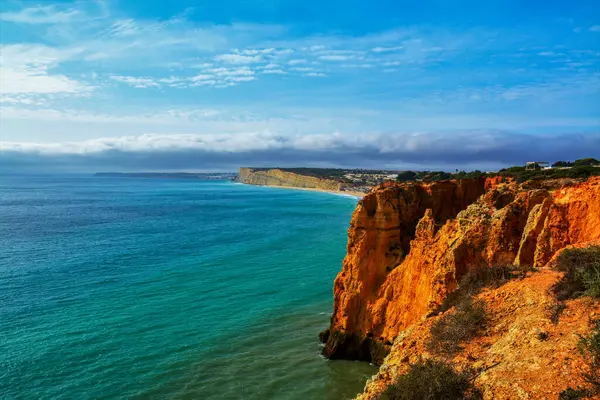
column 168, row 289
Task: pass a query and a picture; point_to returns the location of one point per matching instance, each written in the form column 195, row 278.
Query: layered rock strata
column 277, row 177
column 409, row 245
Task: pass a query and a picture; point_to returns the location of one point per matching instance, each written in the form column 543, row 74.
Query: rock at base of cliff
column 341, row 345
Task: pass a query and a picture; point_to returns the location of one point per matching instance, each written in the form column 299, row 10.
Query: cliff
column 523, row 353
column 410, row 244
column 277, row 177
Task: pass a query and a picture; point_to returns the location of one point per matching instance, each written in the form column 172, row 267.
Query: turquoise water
column 175, row 289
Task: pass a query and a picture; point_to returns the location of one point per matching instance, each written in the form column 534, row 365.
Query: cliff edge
column 410, row 244
column 277, row 177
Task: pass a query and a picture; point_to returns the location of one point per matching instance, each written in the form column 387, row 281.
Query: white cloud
column 39, row 15
column 302, row 69
column 216, row 77
column 271, row 66
column 595, row 28
column 230, row 71
column 240, row 78
column 274, row 72
column 359, row 66
column 386, row 49
column 164, row 117
column 24, row 99
column 141, row 83
column 238, row 59
column 315, row 74
column 297, row 62
column 334, row 148
column 335, row 57
column 201, row 77
column 125, row 27
column 254, row 52
column 26, row 68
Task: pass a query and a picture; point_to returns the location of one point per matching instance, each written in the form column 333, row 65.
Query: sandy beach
column 358, row 195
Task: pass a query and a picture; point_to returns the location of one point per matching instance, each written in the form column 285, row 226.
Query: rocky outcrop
column 521, row 355
column 409, row 245
column 277, row 177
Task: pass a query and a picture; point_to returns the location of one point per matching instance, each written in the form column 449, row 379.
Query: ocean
column 138, row 288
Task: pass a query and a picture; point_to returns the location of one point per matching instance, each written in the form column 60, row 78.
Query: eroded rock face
column 515, row 363
column 409, row 245
column 277, row 177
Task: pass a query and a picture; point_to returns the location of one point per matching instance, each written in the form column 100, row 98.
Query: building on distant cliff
column 533, row 165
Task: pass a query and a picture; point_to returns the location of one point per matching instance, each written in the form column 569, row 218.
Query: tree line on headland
column 582, row 168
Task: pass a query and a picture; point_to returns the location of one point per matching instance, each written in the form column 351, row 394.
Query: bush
column 586, row 161
column 582, row 273
column 589, row 347
column 449, row 331
column 478, row 278
column 574, row 394
column 470, row 175
column 406, row 176
column 562, row 164
column 433, row 380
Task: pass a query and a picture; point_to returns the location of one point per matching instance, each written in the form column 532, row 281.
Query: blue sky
column 203, row 85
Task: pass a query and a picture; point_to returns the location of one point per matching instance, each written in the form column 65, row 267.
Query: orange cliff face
column 409, row 245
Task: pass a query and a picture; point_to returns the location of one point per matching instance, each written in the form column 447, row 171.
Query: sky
column 152, row 85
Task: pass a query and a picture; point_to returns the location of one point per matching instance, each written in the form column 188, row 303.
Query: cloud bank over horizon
column 477, row 149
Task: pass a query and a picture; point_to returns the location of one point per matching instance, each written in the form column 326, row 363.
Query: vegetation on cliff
column 582, row 273
column 581, row 269
column 450, row 331
column 589, row 347
column 458, row 272
column 433, row 380
column 582, row 168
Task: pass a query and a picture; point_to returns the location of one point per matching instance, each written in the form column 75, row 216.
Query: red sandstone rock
column 513, row 362
column 409, row 245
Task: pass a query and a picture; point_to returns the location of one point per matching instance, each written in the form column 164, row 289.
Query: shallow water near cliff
column 162, row 288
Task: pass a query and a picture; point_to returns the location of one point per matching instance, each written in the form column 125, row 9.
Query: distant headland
column 178, row 175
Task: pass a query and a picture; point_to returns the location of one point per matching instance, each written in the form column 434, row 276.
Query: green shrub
column 433, row 380
column 574, row 394
column 478, row 278
column 582, row 273
column 406, row 176
column 451, row 330
column 562, row 164
column 586, row 161
column 589, row 347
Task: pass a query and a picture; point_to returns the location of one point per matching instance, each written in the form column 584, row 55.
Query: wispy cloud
column 316, row 74
column 39, row 15
column 297, row 62
column 142, row 83
column 386, row 49
column 595, row 28
column 238, row 59
column 334, row 57
column 274, row 72
column 26, row 69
